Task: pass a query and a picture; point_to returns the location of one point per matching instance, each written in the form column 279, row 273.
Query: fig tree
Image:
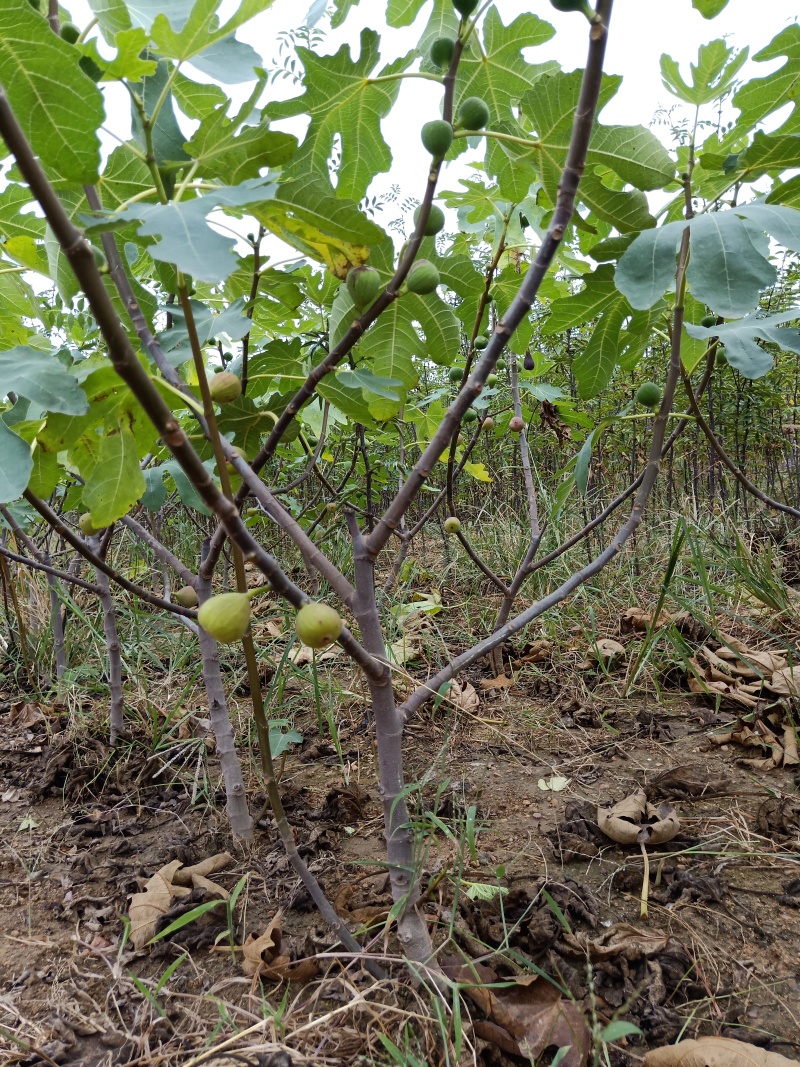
column 225, row 617
column 516, row 425
column 186, row 597
column 69, row 32
column 435, row 220
column 225, row 387
column 708, row 321
column 480, row 343
column 452, row 524
column 455, row 374
column 422, row 278
column 648, row 395
column 437, row 136
column 473, row 113
column 363, row 284
column 318, row 625
column 442, row 51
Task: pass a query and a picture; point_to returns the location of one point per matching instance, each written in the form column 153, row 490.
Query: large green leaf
column 728, row 267
column 201, row 34
column 739, row 339
column 58, row 107
column 344, row 102
column 223, row 151
column 185, row 238
column 109, row 465
column 714, row 74
column 761, row 97
column 42, row 378
column 16, row 464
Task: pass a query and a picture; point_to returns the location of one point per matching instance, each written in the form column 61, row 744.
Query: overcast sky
column 641, row 30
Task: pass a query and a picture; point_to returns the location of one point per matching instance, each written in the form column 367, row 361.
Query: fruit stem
column 407, row 74
column 526, row 141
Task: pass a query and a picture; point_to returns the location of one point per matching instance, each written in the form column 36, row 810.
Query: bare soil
column 83, row 829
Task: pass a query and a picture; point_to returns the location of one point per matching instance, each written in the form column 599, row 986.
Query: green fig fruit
column 470, row 415
column 100, row 260
column 225, row 387
column 573, row 5
column 435, row 221
column 455, row 374
column 491, row 379
column 465, row 7
column 473, row 113
column 488, row 423
column 451, row 524
column 242, row 455
column 480, row 343
column 318, row 625
column 500, row 364
column 422, row 278
column 86, row 526
column 437, row 136
column 225, row 617
column 442, row 51
column 648, row 395
column 708, row 321
column 720, row 356
column 186, row 597
column 69, row 32
column 363, row 284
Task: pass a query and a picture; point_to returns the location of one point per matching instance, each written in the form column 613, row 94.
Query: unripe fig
column 318, row 625
column 312, row 441
column 225, row 617
column 69, row 32
column 527, row 362
column 252, row 513
column 451, row 524
column 242, row 455
column 422, row 278
column 470, row 415
column 437, row 136
column 573, row 5
column 480, row 343
column 86, row 527
column 465, row 7
column 500, row 364
column 516, row 425
column 708, row 321
column 648, row 395
column 442, row 51
column 99, row 258
column 491, row 379
column 455, row 375
column 488, row 423
column 363, row 284
column 225, row 387
column 332, row 507
column 186, row 597
column 721, row 356
column 435, row 221
column 473, row 113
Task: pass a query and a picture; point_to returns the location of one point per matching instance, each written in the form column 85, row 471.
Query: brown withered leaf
column 704, row 681
column 535, row 652
column 463, row 696
column 527, row 1017
column 715, row 1052
column 172, row 882
column 635, row 821
column 25, row 715
column 500, row 682
column 263, row 957
column 639, row 620
column 621, row 939
column 607, row 651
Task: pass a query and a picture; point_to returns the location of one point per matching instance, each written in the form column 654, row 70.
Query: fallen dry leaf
column 263, row 957
column 621, row 939
column 715, row 1052
column 607, row 651
column 635, row 821
column 168, row 884
column 639, row 619
column 500, row 682
column 526, row 1018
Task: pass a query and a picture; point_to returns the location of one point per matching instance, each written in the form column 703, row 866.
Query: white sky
column 641, row 30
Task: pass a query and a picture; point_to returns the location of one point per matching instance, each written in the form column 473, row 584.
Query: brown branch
column 38, row 566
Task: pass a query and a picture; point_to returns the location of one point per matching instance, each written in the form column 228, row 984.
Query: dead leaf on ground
column 168, row 884
column 715, row 1052
column 607, row 651
column 300, row 655
column 635, row 821
column 463, row 696
column 502, row 681
column 621, row 939
column 535, row 652
column 705, row 680
column 781, row 744
column 527, row 1017
column 25, row 715
column 263, row 957
column 641, row 620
